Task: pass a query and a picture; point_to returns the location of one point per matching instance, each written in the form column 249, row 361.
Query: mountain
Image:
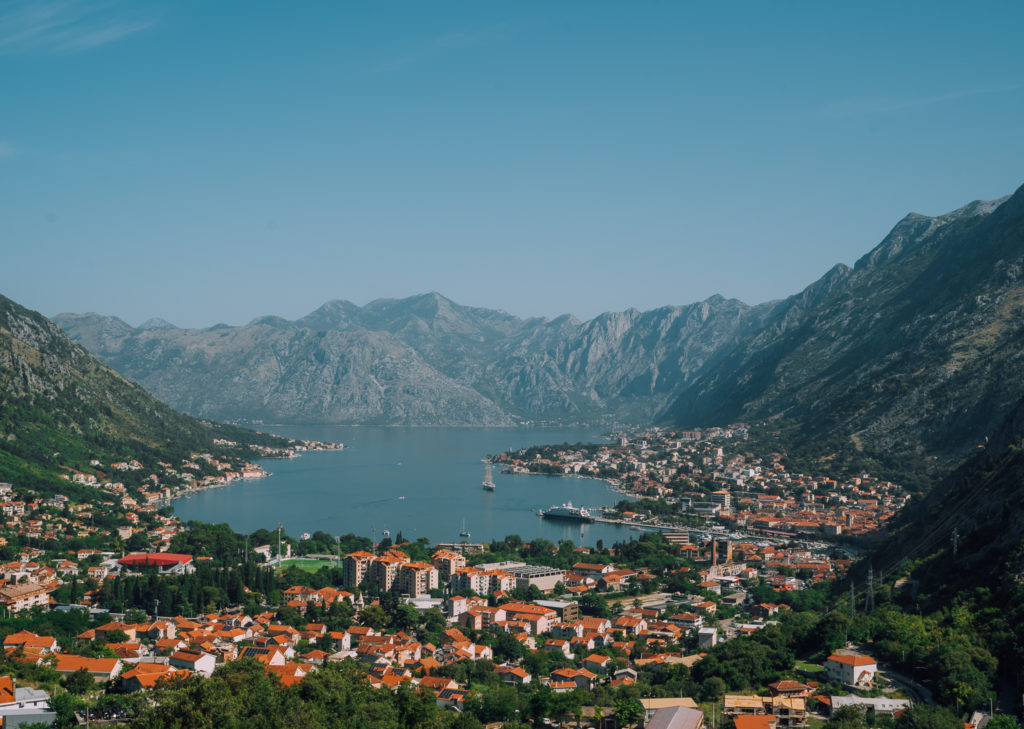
column 60, row 407
column 916, row 349
column 982, row 504
column 422, row 360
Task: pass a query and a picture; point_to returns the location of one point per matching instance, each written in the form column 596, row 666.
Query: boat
column 488, row 482
column 568, row 512
column 464, row 532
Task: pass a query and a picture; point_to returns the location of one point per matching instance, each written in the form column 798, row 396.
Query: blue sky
column 211, row 162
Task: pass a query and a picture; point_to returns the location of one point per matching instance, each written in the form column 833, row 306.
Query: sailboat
column 488, row 482
column 464, row 532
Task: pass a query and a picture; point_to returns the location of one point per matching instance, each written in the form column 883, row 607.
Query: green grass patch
column 308, row 565
column 809, row 667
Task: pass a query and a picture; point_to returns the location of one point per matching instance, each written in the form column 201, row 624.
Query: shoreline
column 308, row 447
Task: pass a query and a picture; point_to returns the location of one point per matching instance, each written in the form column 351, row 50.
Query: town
column 728, row 555
column 682, row 478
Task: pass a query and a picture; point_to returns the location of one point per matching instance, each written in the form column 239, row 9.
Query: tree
column 1003, row 721
column 712, row 688
column 78, row 682
column 65, row 705
column 628, row 711
column 594, row 605
column 846, row 717
column 922, row 716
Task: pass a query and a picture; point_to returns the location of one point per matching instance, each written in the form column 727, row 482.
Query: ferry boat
column 488, row 482
column 568, row 512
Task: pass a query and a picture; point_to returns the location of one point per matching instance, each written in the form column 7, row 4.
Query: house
column 145, row 676
column 677, row 717
column 452, row 698
column 195, row 661
column 878, row 704
column 652, row 706
column 851, row 669
column 756, row 721
column 437, row 684
column 581, row 677
column 789, row 688
column 596, row 663
column 788, row 711
column 514, row 675
column 31, row 643
column 555, row 645
column 690, row 621
column 707, row 638
column 630, row 625
column 101, row 669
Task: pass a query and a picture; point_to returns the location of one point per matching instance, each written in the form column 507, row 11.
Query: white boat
column 569, row 512
column 464, row 532
column 488, row 482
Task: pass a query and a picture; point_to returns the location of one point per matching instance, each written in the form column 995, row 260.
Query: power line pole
column 869, row 600
column 853, row 600
column 956, row 540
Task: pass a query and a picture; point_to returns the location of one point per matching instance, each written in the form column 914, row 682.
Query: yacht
column 488, row 482
column 568, row 512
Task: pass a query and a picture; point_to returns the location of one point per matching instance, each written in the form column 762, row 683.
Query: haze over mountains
column 917, row 347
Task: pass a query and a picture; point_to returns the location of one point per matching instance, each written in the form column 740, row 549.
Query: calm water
column 424, row 482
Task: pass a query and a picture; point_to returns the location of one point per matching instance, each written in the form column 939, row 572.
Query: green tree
column 78, row 682
column 1003, row 721
column 922, row 716
column 846, row 717
column 628, row 711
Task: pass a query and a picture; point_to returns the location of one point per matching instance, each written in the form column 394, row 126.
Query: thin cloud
column 7, row 150
column 66, row 26
column 867, row 107
column 438, row 46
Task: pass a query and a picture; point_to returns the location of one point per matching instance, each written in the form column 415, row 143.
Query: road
column 920, row 694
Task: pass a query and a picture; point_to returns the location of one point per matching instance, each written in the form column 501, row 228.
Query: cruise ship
column 568, row 512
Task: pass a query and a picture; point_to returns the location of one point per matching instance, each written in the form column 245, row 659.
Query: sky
column 207, row 162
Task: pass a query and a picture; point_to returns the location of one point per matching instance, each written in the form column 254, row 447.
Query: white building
column 851, row 669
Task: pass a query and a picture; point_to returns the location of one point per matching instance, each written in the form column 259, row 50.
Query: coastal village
column 579, row 622
column 706, row 477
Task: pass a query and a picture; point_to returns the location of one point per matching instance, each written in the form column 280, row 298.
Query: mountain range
column 916, row 348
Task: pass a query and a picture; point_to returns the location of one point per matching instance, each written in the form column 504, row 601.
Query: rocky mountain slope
column 918, row 347
column 61, row 407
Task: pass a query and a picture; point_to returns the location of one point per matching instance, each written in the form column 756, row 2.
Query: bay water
column 422, row 482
